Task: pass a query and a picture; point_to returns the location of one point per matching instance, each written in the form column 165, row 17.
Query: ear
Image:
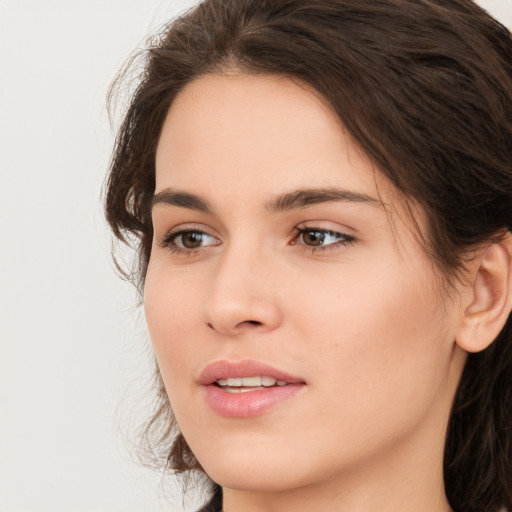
column 488, row 301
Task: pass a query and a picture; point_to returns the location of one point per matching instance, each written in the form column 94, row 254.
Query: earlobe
column 489, row 297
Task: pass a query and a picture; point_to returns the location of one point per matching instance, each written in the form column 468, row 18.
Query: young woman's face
column 301, row 330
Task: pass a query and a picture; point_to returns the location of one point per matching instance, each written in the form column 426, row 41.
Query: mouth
column 247, row 388
column 247, row 384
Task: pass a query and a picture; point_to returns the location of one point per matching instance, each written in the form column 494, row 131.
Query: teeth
column 238, row 390
column 252, row 382
column 268, row 381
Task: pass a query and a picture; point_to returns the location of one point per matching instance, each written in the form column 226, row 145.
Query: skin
column 365, row 322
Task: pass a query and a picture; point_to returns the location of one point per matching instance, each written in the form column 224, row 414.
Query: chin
column 262, row 469
column 256, row 479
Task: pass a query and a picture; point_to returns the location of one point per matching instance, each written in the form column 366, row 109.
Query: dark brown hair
column 425, row 88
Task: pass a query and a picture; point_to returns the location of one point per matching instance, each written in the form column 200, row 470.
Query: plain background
column 74, row 352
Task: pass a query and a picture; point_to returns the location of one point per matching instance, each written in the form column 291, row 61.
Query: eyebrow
column 308, row 197
column 179, row 198
column 284, row 202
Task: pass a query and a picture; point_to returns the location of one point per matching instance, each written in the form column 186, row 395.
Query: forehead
column 258, row 130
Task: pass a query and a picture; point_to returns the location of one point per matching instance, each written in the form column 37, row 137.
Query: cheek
column 381, row 342
column 171, row 310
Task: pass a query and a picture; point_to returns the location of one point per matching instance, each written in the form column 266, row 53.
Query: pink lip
column 251, row 403
column 246, row 368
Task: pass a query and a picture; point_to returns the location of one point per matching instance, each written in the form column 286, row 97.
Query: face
column 299, row 327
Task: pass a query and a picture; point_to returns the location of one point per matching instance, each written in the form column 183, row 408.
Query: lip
column 245, row 368
column 251, row 403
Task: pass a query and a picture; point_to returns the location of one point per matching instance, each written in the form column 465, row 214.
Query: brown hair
column 425, row 88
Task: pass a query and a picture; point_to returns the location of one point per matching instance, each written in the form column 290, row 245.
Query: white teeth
column 238, row 390
column 250, row 382
column 268, row 381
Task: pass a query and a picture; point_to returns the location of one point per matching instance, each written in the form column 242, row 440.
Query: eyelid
column 344, row 240
column 166, row 241
column 326, row 226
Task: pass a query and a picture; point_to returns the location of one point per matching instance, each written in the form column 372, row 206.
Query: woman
column 321, row 196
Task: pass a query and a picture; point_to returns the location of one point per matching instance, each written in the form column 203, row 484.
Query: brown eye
column 313, row 238
column 188, row 240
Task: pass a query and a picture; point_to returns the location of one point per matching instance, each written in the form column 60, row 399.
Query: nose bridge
column 241, row 295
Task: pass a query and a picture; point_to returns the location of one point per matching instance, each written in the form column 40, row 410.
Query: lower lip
column 250, row 403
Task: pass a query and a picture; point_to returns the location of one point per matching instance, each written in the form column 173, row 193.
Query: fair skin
column 332, row 288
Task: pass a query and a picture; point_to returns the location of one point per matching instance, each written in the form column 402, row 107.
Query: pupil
column 192, row 240
column 315, row 238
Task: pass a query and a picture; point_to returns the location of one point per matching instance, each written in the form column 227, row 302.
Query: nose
column 242, row 296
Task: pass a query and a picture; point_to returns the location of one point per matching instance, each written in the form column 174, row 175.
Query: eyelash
column 169, row 241
column 344, row 240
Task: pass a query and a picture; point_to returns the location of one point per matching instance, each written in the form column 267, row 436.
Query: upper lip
column 246, row 368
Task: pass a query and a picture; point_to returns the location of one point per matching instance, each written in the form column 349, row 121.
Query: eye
column 188, row 240
column 317, row 238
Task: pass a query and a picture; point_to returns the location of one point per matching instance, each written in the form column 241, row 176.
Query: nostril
column 235, row 328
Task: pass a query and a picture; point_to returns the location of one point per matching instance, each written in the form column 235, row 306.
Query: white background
column 73, row 347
